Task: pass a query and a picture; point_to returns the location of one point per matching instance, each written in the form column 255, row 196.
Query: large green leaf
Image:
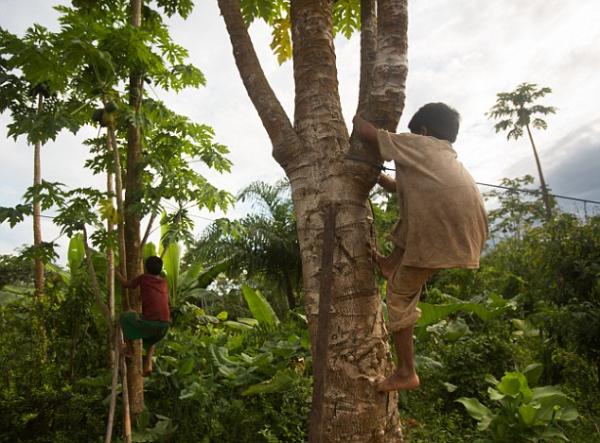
column 476, row 409
column 515, row 383
column 281, row 381
column 259, row 306
column 171, row 256
column 209, row 275
column 528, row 412
column 76, row 253
column 432, row 313
column 533, row 372
column 149, row 250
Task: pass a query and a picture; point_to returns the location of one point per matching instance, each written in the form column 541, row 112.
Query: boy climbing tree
column 442, row 220
column 152, row 325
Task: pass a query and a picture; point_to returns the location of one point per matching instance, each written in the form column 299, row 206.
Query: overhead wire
column 529, row 191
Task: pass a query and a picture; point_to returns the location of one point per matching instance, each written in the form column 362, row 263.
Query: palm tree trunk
column 37, row 211
column 545, row 195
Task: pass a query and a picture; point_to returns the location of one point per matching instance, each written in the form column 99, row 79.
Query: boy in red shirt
column 152, row 325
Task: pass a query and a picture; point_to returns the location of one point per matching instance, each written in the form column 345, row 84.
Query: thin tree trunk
column 110, row 255
column 545, row 195
column 120, row 211
column 114, row 338
column 148, row 231
column 37, row 211
column 126, row 400
column 132, row 218
column 115, row 345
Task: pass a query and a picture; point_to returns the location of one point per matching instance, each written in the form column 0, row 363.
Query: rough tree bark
column 313, row 153
column 133, row 191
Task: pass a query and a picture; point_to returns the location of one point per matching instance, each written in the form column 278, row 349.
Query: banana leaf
column 259, row 307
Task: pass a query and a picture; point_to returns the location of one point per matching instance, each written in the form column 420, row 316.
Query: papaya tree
column 318, row 156
column 102, row 46
column 518, row 110
column 32, row 88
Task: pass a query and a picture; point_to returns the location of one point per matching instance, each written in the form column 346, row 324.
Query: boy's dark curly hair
column 153, row 265
column 440, row 120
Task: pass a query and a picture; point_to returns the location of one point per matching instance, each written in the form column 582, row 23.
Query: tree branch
column 148, row 230
column 368, row 50
column 386, row 98
column 273, row 117
column 317, row 104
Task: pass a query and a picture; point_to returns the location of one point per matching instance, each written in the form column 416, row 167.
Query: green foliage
column 170, row 251
column 516, row 212
column 262, row 246
column 247, row 382
column 494, row 306
column 44, row 396
column 15, row 270
column 260, row 308
column 346, row 17
column 276, row 14
column 522, row 413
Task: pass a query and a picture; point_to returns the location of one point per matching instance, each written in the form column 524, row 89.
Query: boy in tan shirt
column 443, row 223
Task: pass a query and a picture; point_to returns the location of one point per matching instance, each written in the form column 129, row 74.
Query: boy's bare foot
column 399, row 382
column 147, row 366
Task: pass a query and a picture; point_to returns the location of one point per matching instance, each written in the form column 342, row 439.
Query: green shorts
column 135, row 327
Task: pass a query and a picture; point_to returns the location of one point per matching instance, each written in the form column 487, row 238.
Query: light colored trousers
column 403, row 293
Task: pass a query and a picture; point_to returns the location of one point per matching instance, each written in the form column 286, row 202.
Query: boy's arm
column 365, row 131
column 126, row 284
column 387, row 182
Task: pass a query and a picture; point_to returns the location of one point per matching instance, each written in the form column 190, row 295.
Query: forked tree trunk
column 132, row 219
column 37, row 211
column 313, row 154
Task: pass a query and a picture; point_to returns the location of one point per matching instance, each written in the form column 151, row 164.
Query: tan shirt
column 444, row 224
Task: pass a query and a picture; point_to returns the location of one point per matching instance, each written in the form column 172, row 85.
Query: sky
column 461, row 53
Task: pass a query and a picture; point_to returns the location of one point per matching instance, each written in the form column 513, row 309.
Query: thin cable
column 529, row 191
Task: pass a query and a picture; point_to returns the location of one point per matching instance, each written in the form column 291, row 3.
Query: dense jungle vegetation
column 234, row 369
column 506, row 353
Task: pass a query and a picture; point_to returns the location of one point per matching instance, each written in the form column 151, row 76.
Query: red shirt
column 155, row 297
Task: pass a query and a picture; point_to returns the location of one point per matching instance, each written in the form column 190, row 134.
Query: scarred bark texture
column 313, row 155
